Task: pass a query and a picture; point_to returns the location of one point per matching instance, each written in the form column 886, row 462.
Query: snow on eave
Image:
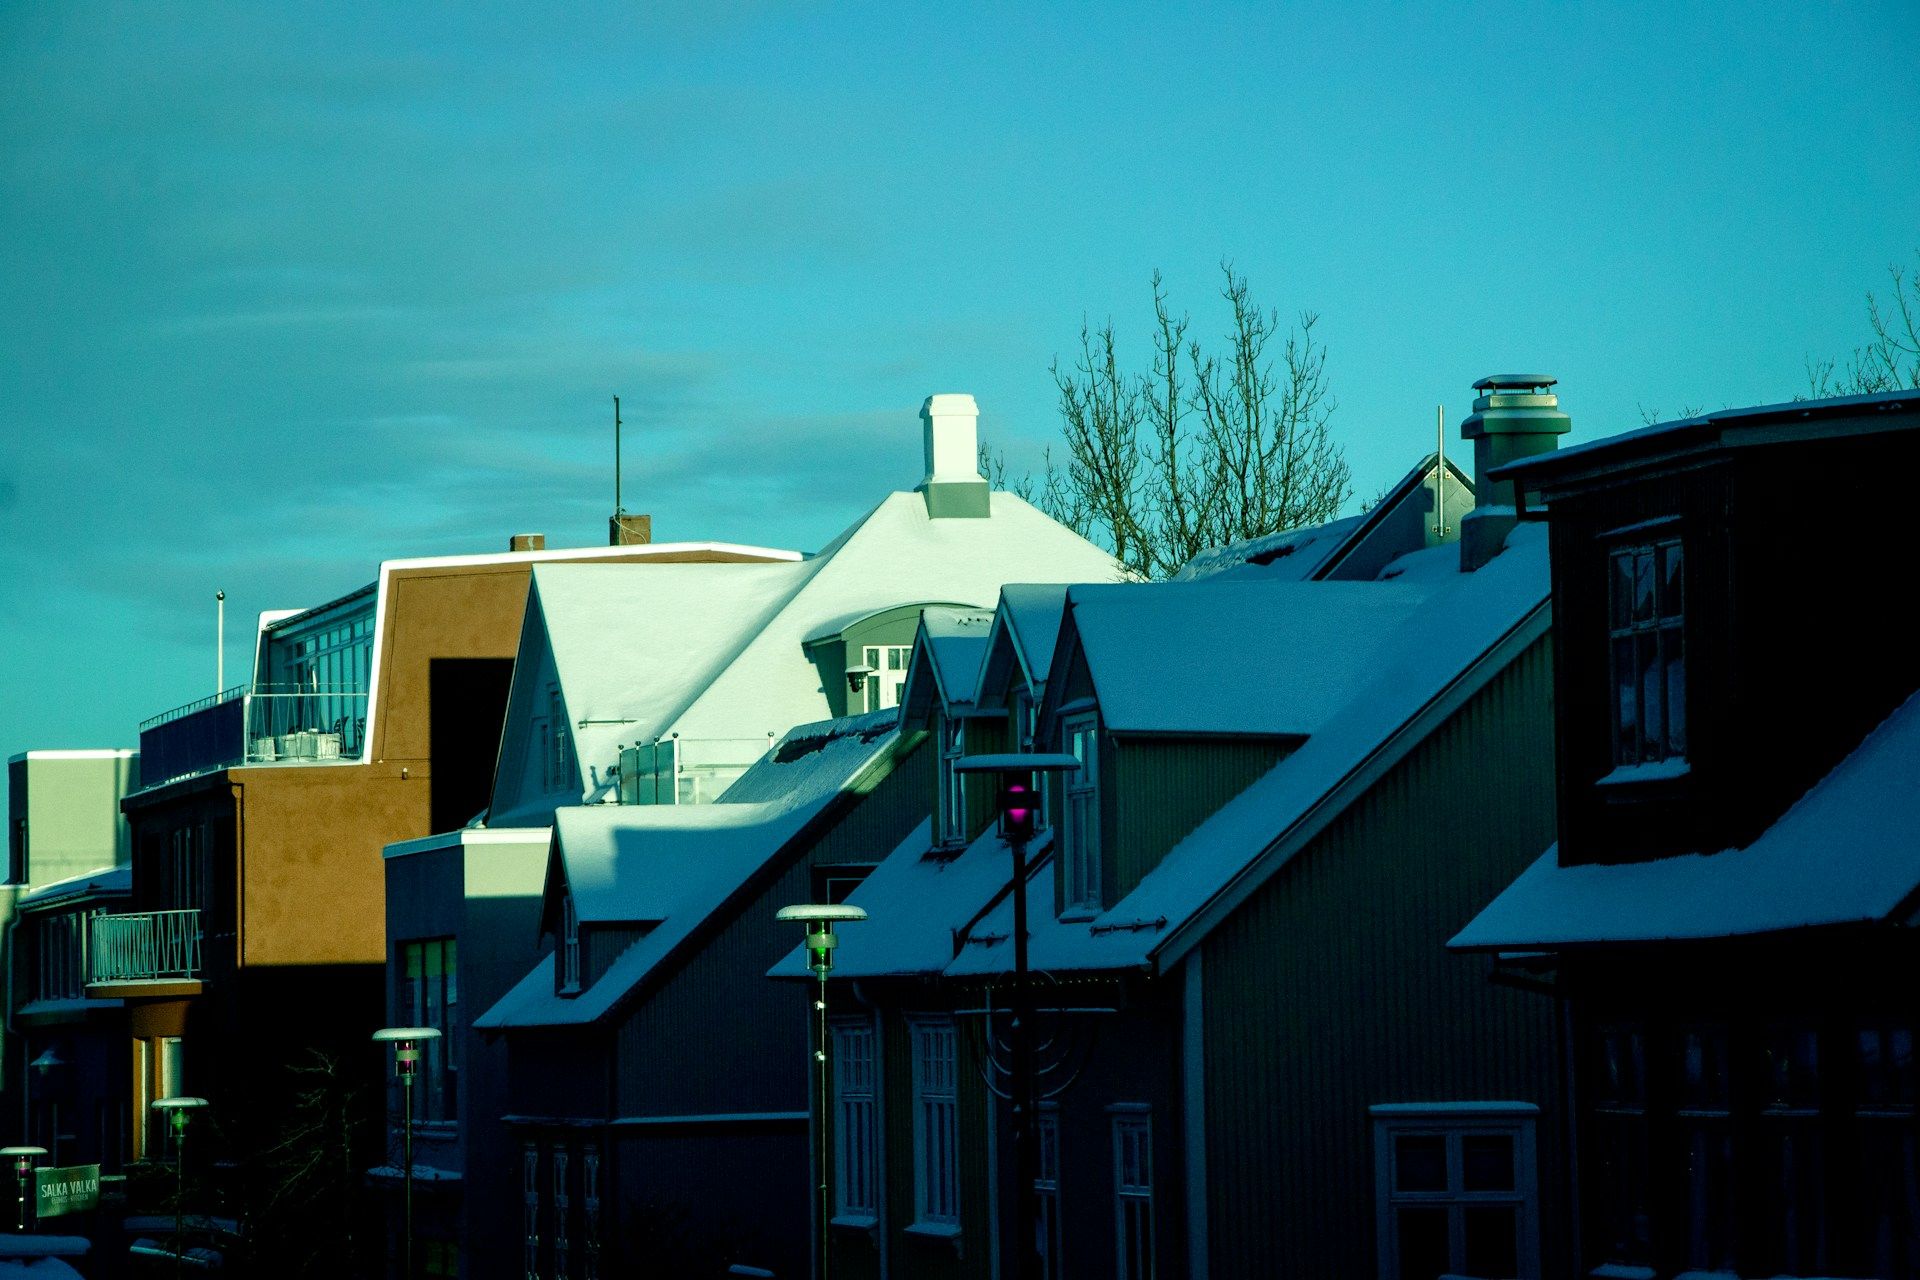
column 1847, row 852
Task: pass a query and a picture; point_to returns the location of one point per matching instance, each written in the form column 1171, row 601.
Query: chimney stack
column 624, row 530
column 527, row 542
column 1515, row 417
column 954, row 486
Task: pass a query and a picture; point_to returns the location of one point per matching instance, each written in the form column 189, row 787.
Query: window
column 856, row 1124
column 60, row 938
column 561, row 1205
column 1133, row 1195
column 1885, row 1092
column 1046, row 1192
column 530, row 1199
column 590, row 1212
column 1026, row 720
column 1793, row 1212
column 1081, row 865
column 556, row 771
column 1618, row 1125
column 1455, row 1191
column 936, row 1127
column 953, row 791
column 430, row 997
column 889, row 677
column 1647, row 655
column 1706, row 1135
column 569, row 944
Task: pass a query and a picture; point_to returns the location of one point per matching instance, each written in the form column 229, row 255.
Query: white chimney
column 954, row 486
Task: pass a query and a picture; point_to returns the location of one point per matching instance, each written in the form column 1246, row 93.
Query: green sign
column 74, row 1189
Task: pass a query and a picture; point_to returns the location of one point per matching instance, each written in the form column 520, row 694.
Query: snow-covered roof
column 1847, row 852
column 1290, row 555
column 946, row 661
column 897, row 554
column 1427, row 660
column 1026, row 627
column 1233, row 657
column 670, row 867
column 106, row 880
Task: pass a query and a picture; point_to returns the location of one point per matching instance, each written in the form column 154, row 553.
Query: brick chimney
column 527, row 542
column 954, row 486
column 1515, row 417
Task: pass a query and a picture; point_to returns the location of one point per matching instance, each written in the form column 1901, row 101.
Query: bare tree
column 1200, row 449
column 1891, row 361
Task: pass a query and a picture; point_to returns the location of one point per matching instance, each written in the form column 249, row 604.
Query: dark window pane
column 1621, row 589
column 1643, row 586
column 1676, row 699
column 1486, row 1161
column 1653, row 725
column 1704, row 1068
column 1420, row 1162
column 1670, row 580
column 1423, row 1242
column 1626, row 696
column 1492, row 1241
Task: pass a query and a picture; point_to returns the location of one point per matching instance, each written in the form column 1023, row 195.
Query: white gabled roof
column 896, row 555
column 668, row 868
column 1847, row 852
column 1288, row 556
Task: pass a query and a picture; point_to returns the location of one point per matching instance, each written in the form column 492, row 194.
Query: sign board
column 73, row 1189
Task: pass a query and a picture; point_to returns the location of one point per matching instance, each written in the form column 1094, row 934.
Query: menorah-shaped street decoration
column 1012, row 1059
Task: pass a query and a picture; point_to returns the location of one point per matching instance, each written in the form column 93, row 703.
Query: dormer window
column 569, row 945
column 1647, row 660
column 1080, row 833
column 952, row 828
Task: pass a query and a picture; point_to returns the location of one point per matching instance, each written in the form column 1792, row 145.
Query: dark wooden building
column 1727, row 915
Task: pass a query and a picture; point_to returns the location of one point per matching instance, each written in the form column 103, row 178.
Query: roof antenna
column 618, row 509
column 1440, row 473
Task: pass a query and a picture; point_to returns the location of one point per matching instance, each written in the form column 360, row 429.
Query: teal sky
column 290, row 289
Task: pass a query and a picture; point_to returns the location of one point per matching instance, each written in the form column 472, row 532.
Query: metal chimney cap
column 1514, row 382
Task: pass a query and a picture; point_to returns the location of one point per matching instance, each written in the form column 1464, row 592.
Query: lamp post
column 23, row 1170
column 43, row 1068
column 406, row 1043
column 1018, row 802
column 819, row 919
column 176, row 1110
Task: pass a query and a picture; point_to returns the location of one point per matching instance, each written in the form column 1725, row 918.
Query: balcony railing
column 254, row 724
column 686, row 770
column 146, row 946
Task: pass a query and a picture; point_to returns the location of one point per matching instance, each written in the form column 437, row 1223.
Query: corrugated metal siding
column 1330, row 991
column 1159, row 789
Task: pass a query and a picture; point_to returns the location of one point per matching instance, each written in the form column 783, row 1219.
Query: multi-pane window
column 1889, row 1172
column 569, row 944
column 1706, row 1134
column 430, row 997
column 889, row 679
column 562, row 1204
column 62, row 958
column 1133, row 1195
column 1618, row 1125
column 855, row 1122
column 1647, row 659
column 590, row 1213
column 1046, row 1194
column 936, row 1125
column 1456, row 1191
column 953, row 794
column 1081, row 834
column 1793, row 1215
column 530, row 1200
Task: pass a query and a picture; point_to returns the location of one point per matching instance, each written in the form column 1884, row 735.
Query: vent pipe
column 1515, row 417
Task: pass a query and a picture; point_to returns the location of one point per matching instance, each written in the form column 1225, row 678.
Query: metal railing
column 686, row 770
column 144, row 946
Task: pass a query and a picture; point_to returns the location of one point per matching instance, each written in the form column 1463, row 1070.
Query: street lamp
column 819, row 919
column 23, row 1170
column 1019, row 804
column 406, row 1043
column 43, row 1068
column 176, row 1110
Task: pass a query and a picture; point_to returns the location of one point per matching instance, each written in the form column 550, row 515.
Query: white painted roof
column 670, row 867
column 1289, row 556
column 1847, row 852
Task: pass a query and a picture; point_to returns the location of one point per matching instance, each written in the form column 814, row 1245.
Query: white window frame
column 856, row 1122
column 936, row 1126
column 1133, row 1215
column 1080, row 818
column 569, row 944
column 1455, row 1121
column 1046, row 1191
column 953, row 783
